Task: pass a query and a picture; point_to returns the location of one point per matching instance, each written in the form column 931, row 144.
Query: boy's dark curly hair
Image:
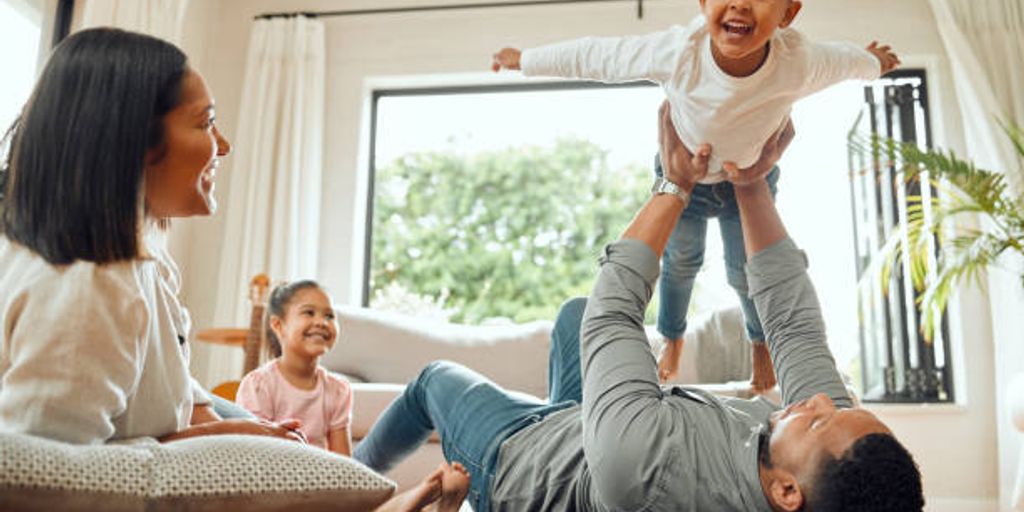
column 875, row 474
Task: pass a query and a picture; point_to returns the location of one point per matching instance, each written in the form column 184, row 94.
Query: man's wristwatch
column 663, row 186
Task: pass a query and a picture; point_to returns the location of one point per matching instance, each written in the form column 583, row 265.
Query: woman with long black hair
column 118, row 137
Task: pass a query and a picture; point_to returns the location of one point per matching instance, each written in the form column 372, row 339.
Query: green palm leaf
column 970, row 196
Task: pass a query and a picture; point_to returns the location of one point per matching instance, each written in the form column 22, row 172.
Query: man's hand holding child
column 770, row 153
column 680, row 166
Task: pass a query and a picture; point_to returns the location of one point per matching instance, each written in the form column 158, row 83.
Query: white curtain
column 160, row 18
column 984, row 40
column 273, row 210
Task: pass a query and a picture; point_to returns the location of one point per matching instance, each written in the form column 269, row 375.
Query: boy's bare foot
column 763, row 379
column 426, row 492
column 668, row 364
column 454, row 488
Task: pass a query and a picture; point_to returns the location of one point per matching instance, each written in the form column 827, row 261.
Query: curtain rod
column 447, row 7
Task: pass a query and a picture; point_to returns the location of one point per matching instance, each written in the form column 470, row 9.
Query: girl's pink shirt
column 328, row 406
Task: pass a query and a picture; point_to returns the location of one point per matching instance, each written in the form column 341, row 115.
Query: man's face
column 740, row 28
column 804, row 432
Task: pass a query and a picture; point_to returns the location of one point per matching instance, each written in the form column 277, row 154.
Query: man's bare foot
column 454, row 488
column 763, row 379
column 426, row 492
column 668, row 364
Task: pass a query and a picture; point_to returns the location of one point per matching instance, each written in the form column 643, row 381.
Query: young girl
column 300, row 328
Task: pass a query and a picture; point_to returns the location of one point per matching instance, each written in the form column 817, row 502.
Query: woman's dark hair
column 73, row 176
column 276, row 305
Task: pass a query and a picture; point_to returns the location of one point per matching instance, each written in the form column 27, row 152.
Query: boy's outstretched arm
column 607, row 59
column 888, row 59
column 506, row 58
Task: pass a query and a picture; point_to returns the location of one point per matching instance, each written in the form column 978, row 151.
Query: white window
column 21, row 38
column 485, row 132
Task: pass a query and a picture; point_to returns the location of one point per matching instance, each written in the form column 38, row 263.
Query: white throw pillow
column 230, row 472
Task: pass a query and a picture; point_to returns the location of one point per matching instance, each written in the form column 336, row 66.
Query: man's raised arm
column 625, row 423
column 782, row 291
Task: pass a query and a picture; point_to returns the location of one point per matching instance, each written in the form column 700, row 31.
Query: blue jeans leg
column 680, row 263
column 735, row 263
column 227, row 410
column 472, row 415
column 565, row 380
column 683, row 258
column 736, row 254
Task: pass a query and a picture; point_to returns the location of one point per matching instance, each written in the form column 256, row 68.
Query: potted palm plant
column 943, row 246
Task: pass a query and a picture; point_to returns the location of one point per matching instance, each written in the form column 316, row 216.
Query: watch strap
column 664, row 186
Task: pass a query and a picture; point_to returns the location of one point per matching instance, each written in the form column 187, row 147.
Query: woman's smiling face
column 180, row 170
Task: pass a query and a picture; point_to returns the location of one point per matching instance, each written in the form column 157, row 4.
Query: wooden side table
column 248, row 339
column 234, row 337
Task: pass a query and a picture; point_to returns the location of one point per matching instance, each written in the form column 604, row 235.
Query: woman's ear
column 154, row 155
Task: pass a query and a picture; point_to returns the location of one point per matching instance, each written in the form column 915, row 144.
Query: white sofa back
column 385, row 347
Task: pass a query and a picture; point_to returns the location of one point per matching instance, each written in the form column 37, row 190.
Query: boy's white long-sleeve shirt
column 735, row 115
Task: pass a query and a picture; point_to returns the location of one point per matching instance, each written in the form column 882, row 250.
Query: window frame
column 62, row 17
column 946, row 372
column 907, row 371
column 378, row 94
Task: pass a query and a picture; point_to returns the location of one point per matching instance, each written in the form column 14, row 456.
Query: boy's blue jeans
column 684, row 255
column 472, row 414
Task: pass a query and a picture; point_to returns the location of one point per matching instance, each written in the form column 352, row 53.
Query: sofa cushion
column 716, row 351
column 379, row 346
column 369, row 402
column 230, row 472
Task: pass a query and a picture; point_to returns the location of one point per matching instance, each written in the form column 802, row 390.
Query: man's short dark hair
column 875, row 474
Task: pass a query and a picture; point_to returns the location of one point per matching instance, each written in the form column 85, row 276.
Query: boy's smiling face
column 740, row 29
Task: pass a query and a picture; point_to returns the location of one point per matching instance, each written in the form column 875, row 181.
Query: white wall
column 1008, row 336
column 955, row 445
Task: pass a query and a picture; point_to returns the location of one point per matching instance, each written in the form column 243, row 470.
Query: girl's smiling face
column 309, row 327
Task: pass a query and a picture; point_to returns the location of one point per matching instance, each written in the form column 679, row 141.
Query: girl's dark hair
column 73, row 175
column 279, row 299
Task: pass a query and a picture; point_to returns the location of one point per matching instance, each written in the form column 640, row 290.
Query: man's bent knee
column 571, row 310
column 433, row 369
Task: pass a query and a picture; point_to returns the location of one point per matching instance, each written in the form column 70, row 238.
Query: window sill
column 916, row 409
